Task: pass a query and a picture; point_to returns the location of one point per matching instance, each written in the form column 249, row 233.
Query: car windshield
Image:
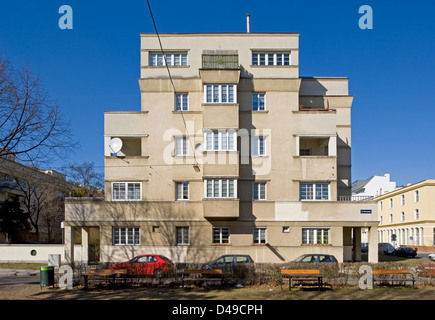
column 307, row 258
column 164, row 258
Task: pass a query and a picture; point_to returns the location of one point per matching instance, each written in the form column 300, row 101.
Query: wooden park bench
column 105, row 274
column 385, row 276
column 202, row 275
column 301, row 275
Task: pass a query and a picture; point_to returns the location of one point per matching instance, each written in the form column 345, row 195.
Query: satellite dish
column 115, row 145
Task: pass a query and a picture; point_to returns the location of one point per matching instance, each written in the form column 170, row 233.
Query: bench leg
column 86, row 283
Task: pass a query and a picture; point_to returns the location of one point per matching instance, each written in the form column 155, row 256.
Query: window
column 181, row 102
column 391, row 203
column 258, row 146
column 221, row 235
column 171, row 59
column 315, row 235
column 126, row 191
column 314, row 191
column 181, row 146
column 402, row 216
column 381, row 205
column 182, row 236
column 402, row 199
column 258, row 101
column 270, row 58
column 391, row 217
column 220, row 188
column 182, row 191
column 220, row 140
column 259, row 192
column 416, row 196
column 416, row 214
column 126, row 236
column 259, row 235
column 220, row 93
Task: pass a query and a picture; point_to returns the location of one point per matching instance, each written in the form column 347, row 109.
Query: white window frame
column 182, row 236
column 219, row 188
column 223, row 235
column 181, row 102
column 126, row 192
column 258, row 102
column 416, row 196
column 181, row 146
column 315, row 191
column 259, row 191
column 271, row 58
column 416, row 214
column 220, row 93
column 259, row 146
column 402, row 199
column 402, row 216
column 182, row 191
column 176, row 59
column 259, row 235
column 121, row 236
column 221, row 140
column 316, row 235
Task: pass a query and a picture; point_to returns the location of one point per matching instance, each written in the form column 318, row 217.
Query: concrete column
column 69, row 244
column 347, row 244
column 85, row 242
column 373, row 245
column 357, row 244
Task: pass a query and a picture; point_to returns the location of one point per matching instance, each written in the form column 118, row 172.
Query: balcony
column 222, row 116
column 220, row 66
column 221, row 209
column 220, row 60
column 221, row 163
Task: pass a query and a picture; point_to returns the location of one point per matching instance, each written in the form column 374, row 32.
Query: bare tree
column 32, row 128
column 85, row 175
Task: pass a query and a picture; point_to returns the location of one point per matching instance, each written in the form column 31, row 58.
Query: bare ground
column 35, row 292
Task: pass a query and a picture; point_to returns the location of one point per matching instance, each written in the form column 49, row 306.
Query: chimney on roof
column 248, row 23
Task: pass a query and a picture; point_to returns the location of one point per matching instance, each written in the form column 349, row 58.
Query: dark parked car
column 316, row 258
column 405, row 252
column 229, row 261
column 145, row 265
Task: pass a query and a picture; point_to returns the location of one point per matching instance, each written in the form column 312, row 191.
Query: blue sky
column 95, row 66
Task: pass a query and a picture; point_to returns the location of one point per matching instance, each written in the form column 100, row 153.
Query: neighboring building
column 231, row 152
column 372, row 187
column 41, row 193
column 407, row 215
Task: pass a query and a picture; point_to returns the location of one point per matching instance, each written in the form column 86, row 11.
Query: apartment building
column 231, row 152
column 407, row 215
column 41, row 195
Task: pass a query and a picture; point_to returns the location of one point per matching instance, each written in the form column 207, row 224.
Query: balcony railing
column 220, row 60
column 355, row 198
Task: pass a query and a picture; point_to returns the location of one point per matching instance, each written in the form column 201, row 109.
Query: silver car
column 431, row 256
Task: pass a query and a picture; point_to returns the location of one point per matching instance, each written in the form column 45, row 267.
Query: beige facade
column 232, row 151
column 408, row 215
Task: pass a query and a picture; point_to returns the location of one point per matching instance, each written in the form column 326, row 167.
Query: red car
column 146, row 265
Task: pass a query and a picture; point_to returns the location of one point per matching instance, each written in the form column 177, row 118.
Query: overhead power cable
column 170, row 78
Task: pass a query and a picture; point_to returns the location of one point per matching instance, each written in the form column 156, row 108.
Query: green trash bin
column 46, row 276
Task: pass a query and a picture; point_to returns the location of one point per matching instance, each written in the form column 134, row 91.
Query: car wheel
column 158, row 273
